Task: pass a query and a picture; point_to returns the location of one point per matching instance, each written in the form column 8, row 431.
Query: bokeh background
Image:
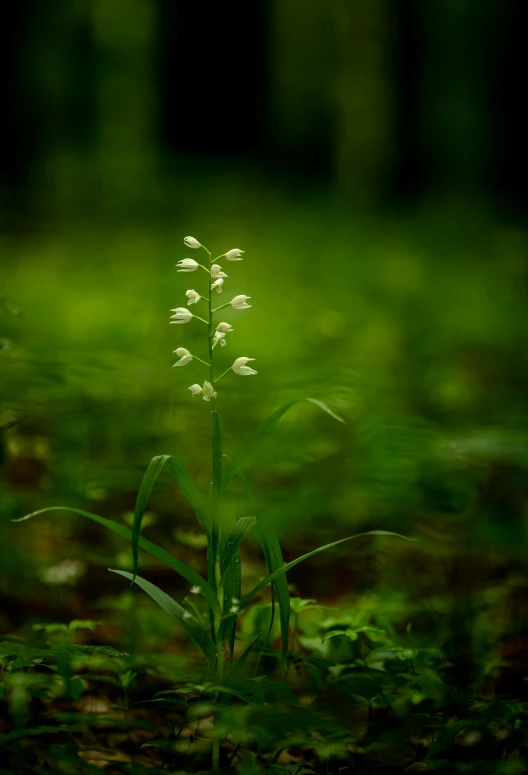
column 370, row 158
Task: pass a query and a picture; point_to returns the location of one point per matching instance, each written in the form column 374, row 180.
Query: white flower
column 217, row 285
column 187, row 615
column 219, row 338
column 234, row 254
column 195, row 590
column 184, row 356
column 235, row 601
column 239, row 367
column 240, row 302
column 196, row 390
column 193, row 297
column 216, row 272
column 234, row 609
column 224, row 328
column 208, row 391
column 188, row 265
column 192, row 243
column 182, row 315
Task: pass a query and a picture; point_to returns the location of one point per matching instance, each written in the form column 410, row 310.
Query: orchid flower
column 240, row 302
column 182, row 315
column 184, row 356
column 234, row 254
column 192, row 243
column 188, row 265
column 240, row 367
column 216, row 272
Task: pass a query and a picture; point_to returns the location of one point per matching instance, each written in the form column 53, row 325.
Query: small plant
column 211, row 612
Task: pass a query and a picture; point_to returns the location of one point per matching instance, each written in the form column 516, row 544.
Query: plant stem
column 223, row 374
column 217, row 481
column 217, row 309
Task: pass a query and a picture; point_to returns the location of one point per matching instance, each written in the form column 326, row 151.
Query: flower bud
column 188, row 265
column 234, row 254
column 184, row 356
column 193, row 297
column 182, row 315
column 219, row 338
column 217, row 285
column 224, row 328
column 208, row 391
column 240, row 302
column 192, row 243
column 240, row 367
column 216, row 272
column 196, row 390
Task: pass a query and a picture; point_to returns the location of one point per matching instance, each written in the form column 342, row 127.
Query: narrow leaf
column 264, row 428
column 156, row 551
column 234, row 540
column 174, row 610
column 274, row 560
column 232, row 583
column 280, row 571
column 149, row 479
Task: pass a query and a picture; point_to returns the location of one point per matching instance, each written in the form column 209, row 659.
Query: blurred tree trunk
column 331, row 91
column 301, row 84
column 454, row 119
column 126, row 102
column 364, row 125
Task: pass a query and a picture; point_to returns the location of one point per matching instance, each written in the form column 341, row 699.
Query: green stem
column 217, row 481
column 195, row 358
column 217, row 309
column 223, row 374
column 196, row 317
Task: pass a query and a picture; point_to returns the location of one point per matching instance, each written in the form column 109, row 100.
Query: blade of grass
column 156, row 551
column 232, row 584
column 273, row 558
column 234, row 540
column 174, row 610
column 187, row 486
column 264, row 428
column 280, row 571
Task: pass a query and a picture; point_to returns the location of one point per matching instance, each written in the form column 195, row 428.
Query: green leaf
column 236, row 671
column 274, row 560
column 156, row 551
column 245, row 600
column 187, row 486
column 234, row 540
column 173, row 609
column 264, row 428
column 232, row 589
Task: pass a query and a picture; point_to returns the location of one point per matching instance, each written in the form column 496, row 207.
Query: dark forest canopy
column 387, row 97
